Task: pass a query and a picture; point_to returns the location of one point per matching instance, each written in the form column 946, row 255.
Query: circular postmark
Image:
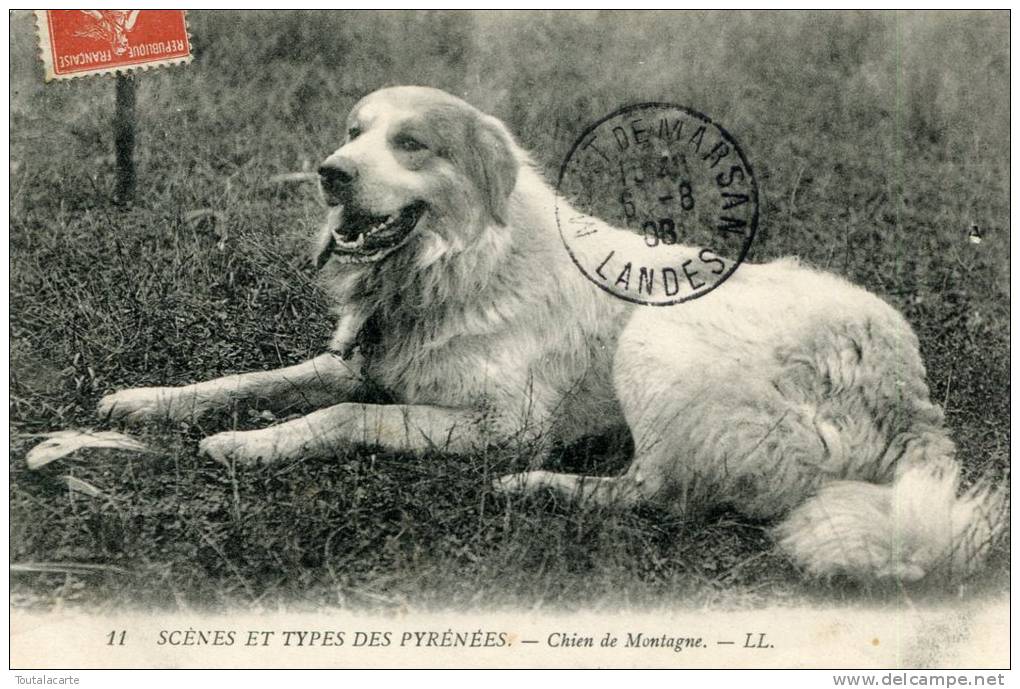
column 656, row 204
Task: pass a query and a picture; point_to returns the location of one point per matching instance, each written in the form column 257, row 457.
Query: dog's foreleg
column 398, row 427
column 323, row 380
column 618, row 492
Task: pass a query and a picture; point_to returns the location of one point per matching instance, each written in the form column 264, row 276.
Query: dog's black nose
column 336, row 176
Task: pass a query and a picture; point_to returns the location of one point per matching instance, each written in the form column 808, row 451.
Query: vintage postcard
column 455, row 339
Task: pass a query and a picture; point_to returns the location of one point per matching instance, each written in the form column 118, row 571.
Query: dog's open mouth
column 359, row 237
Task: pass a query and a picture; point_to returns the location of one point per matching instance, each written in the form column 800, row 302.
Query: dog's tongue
column 326, row 242
column 335, row 218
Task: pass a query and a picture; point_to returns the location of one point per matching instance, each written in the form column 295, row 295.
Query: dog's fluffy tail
column 920, row 526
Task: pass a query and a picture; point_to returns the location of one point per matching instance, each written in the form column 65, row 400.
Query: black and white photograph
column 509, row 339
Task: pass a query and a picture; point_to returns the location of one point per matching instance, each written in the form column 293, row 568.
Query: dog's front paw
column 238, row 447
column 136, row 405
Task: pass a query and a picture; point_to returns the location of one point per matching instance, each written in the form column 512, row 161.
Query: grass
column 879, row 140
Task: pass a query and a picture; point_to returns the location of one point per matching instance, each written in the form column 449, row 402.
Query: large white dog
column 787, row 393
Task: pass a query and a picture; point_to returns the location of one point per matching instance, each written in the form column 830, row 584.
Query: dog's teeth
column 356, row 245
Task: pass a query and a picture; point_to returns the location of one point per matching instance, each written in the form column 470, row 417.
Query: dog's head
column 420, row 170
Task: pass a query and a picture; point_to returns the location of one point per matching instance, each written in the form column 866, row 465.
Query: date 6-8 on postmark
column 680, row 191
column 74, row 43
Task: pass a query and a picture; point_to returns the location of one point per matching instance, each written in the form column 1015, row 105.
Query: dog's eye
column 353, row 133
column 406, row 142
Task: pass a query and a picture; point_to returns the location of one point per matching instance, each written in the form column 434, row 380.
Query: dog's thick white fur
column 787, row 394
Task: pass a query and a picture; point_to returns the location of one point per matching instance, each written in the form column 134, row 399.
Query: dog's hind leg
column 619, row 492
column 323, row 380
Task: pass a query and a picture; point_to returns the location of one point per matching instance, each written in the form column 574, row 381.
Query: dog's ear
column 494, row 166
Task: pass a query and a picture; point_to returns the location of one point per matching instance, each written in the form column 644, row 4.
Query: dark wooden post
column 124, row 139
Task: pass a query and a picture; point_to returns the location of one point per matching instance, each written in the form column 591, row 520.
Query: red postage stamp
column 80, row 42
